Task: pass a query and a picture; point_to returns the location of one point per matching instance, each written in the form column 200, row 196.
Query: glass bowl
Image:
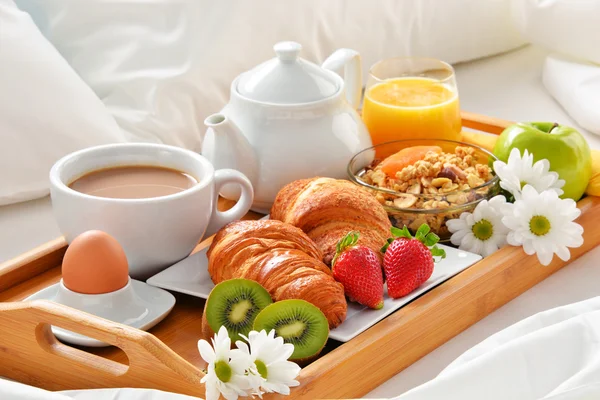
column 410, row 207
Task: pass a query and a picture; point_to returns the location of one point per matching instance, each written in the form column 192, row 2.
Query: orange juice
column 411, row 108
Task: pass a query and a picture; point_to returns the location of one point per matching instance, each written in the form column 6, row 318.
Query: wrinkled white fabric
column 162, row 66
column 124, row 394
column 16, row 391
column 551, row 355
column 571, row 29
column 576, row 86
column 46, row 110
column 10, row 390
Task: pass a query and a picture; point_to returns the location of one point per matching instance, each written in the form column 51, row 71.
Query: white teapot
column 288, row 119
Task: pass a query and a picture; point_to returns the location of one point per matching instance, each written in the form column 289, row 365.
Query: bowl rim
column 490, row 183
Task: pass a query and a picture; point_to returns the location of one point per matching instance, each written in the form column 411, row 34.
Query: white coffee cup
column 154, row 232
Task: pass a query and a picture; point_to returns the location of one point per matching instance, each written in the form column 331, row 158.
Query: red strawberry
column 408, row 261
column 358, row 268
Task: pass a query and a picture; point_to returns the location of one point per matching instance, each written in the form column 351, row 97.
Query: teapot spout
column 225, row 146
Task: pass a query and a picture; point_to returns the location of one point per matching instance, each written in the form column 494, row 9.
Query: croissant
column 282, row 259
column 327, row 209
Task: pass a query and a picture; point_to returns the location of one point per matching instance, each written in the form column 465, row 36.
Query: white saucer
column 190, row 276
column 136, row 304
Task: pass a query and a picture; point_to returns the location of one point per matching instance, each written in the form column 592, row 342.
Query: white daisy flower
column 481, row 232
column 543, row 224
column 520, row 171
column 269, row 357
column 226, row 372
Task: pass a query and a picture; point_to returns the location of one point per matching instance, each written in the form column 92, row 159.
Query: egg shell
column 95, row 263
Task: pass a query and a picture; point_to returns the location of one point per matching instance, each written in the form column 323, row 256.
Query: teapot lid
column 287, row 79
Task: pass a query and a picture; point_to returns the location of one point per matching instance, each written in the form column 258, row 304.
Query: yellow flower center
column 262, row 368
column 539, row 225
column 483, row 229
column 223, row 371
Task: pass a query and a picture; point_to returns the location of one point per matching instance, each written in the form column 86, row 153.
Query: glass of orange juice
column 411, row 98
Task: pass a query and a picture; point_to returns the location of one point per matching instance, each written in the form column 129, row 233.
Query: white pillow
column 162, row 66
column 46, row 110
column 569, row 27
column 576, row 86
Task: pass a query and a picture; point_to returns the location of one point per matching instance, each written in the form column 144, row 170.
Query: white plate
column 190, row 276
column 145, row 307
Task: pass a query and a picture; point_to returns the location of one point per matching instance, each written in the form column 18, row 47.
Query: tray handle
column 31, row 350
column 483, row 122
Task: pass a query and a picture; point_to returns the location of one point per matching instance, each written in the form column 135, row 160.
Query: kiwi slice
column 298, row 322
column 235, row 303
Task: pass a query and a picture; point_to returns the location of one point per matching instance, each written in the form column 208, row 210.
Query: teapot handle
column 350, row 60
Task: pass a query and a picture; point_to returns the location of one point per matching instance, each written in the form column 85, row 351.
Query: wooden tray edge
column 32, row 263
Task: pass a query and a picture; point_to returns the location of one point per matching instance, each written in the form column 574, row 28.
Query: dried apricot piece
column 405, row 157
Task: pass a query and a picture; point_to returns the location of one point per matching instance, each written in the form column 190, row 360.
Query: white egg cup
column 136, row 304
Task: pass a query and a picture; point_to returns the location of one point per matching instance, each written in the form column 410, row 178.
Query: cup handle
column 350, row 60
column 221, row 218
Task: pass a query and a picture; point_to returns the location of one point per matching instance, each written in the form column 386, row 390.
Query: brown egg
column 95, row 263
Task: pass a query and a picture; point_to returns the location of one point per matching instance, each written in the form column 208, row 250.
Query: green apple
column 564, row 147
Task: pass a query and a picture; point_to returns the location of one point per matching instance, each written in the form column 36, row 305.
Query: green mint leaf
column 385, row 247
column 396, row 232
column 347, row 241
column 423, row 230
column 437, row 252
column 351, row 239
column 431, row 239
column 404, row 232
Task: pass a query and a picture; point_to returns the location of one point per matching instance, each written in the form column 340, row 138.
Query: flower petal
column 283, row 372
column 222, row 344
column 563, row 253
column 287, row 351
column 239, row 383
column 242, row 346
column 545, row 256
column 476, row 246
column 239, row 364
column 489, row 248
column 457, row 237
column 510, row 239
column 277, row 388
column 478, row 212
column 206, row 351
column 455, row 225
column 212, row 392
column 528, row 247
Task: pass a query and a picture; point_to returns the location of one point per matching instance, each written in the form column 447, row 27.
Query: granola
column 437, row 182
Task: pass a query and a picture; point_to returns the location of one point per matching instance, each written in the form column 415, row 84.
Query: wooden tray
column 167, row 357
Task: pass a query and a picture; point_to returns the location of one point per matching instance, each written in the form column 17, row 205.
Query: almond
column 415, row 188
column 405, row 201
column 439, row 182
